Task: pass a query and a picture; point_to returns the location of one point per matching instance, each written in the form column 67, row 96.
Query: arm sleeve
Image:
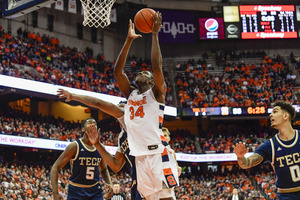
column 122, row 123
column 119, row 138
column 265, row 150
column 118, row 149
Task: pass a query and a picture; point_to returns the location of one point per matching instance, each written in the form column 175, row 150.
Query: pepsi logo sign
column 211, row 25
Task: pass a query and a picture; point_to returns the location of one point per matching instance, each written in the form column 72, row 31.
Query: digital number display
column 207, row 111
column 229, row 111
column 267, row 21
column 256, row 110
column 224, row 111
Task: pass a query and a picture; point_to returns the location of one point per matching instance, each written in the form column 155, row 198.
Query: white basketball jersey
column 143, row 118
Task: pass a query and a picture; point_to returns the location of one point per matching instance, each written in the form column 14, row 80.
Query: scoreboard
column 229, row 111
column 224, row 111
column 267, row 21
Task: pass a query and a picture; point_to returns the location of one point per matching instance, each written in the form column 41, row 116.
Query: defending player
column 85, row 164
column 167, row 135
column 283, row 150
column 156, row 167
column 122, row 157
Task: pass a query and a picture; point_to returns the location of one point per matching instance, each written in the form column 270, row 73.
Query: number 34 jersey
column 85, row 166
column 143, row 119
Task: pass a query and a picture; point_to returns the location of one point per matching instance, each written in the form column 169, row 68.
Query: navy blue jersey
column 85, row 166
column 285, row 158
column 82, row 193
column 130, row 163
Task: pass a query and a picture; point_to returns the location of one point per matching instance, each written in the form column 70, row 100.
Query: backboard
column 15, row 8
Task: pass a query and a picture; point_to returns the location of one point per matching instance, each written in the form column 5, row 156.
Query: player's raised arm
column 114, row 162
column 245, row 163
column 104, row 106
column 121, row 77
column 156, row 59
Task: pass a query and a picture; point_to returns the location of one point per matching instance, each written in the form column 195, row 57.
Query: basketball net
column 96, row 12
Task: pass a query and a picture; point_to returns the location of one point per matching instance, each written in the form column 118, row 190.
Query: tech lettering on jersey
column 286, row 163
column 89, row 161
column 124, row 146
column 289, row 159
column 85, row 166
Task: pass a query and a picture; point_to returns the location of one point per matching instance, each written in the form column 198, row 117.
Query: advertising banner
column 232, row 31
column 61, row 145
column 51, row 89
column 178, row 27
column 33, row 142
column 231, row 14
column 41, row 143
column 211, row 28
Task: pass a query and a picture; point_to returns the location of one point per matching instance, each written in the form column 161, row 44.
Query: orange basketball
column 143, row 20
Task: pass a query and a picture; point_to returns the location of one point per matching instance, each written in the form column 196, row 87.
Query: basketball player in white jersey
column 167, row 135
column 156, row 167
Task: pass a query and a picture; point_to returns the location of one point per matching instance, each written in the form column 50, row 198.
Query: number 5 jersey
column 85, row 166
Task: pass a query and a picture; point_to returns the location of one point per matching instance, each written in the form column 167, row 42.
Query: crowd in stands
column 41, row 58
column 238, row 84
column 295, row 60
column 222, row 56
column 22, row 124
column 265, row 179
column 218, row 185
column 219, row 140
column 30, row 179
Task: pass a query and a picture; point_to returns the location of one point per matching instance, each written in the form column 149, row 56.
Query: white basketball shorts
column 155, row 170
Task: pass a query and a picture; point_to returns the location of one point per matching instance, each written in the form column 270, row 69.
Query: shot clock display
column 267, row 21
column 256, row 110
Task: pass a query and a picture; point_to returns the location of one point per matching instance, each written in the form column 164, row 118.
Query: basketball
column 143, row 20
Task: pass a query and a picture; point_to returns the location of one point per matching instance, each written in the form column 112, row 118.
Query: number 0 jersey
column 85, row 166
column 143, row 119
column 285, row 157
